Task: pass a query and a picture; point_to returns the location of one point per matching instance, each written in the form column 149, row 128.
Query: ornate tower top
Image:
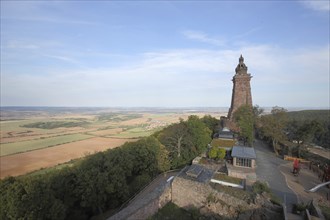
column 241, row 67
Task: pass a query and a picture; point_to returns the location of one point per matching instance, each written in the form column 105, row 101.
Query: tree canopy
column 104, row 180
column 244, row 118
column 273, row 126
column 185, row 140
column 295, row 129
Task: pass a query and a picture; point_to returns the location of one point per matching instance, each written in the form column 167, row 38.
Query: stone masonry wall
column 148, row 206
column 153, row 206
column 188, row 194
column 241, row 94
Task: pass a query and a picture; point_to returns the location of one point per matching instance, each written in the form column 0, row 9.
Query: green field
column 118, row 117
column 56, row 124
column 46, row 129
column 134, row 133
column 13, row 125
column 18, row 126
column 18, row 147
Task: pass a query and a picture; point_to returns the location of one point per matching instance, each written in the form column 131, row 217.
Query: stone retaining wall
column 188, row 194
column 153, row 206
column 242, row 173
column 148, row 207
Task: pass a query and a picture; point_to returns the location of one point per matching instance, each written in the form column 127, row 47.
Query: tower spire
column 241, row 67
column 241, row 59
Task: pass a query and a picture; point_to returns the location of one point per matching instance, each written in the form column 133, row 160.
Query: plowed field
column 18, row 164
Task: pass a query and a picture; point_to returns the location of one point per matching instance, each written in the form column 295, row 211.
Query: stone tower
column 241, row 88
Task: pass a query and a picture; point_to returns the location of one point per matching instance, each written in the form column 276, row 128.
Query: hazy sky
column 165, row 54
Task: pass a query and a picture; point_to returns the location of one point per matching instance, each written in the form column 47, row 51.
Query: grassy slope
column 222, row 143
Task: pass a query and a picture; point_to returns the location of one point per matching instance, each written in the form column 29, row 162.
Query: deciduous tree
column 273, row 126
column 244, row 118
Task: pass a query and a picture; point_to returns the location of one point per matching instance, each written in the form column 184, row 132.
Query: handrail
column 285, row 215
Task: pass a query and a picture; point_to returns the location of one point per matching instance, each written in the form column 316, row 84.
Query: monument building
column 241, row 89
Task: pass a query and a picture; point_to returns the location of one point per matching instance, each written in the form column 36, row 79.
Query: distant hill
column 319, row 115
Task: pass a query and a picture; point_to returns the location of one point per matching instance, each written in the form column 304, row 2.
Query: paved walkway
column 305, row 181
column 268, row 171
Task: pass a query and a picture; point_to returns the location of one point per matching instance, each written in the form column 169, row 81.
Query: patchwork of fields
column 45, row 140
column 30, row 145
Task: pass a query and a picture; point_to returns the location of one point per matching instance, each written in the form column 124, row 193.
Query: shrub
column 260, row 187
column 221, row 153
column 217, row 153
column 213, row 153
column 211, row 198
column 275, row 200
column 299, row 207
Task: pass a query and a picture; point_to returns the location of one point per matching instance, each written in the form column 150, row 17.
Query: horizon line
column 165, row 107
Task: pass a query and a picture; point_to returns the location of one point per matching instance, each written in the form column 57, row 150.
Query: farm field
column 6, row 140
column 23, row 146
column 22, row 163
column 134, row 133
column 32, row 139
column 106, row 132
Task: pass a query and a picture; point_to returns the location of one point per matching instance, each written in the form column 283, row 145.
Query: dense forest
column 104, row 180
column 290, row 132
column 310, row 126
column 304, row 115
column 287, row 132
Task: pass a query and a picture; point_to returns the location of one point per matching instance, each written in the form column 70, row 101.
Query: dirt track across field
column 18, row 164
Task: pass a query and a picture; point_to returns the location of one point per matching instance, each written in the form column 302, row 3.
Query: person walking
column 296, row 167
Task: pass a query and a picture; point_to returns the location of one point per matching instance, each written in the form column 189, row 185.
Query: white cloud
column 31, row 44
column 63, row 58
column 317, row 5
column 248, row 32
column 189, row 77
column 202, row 37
